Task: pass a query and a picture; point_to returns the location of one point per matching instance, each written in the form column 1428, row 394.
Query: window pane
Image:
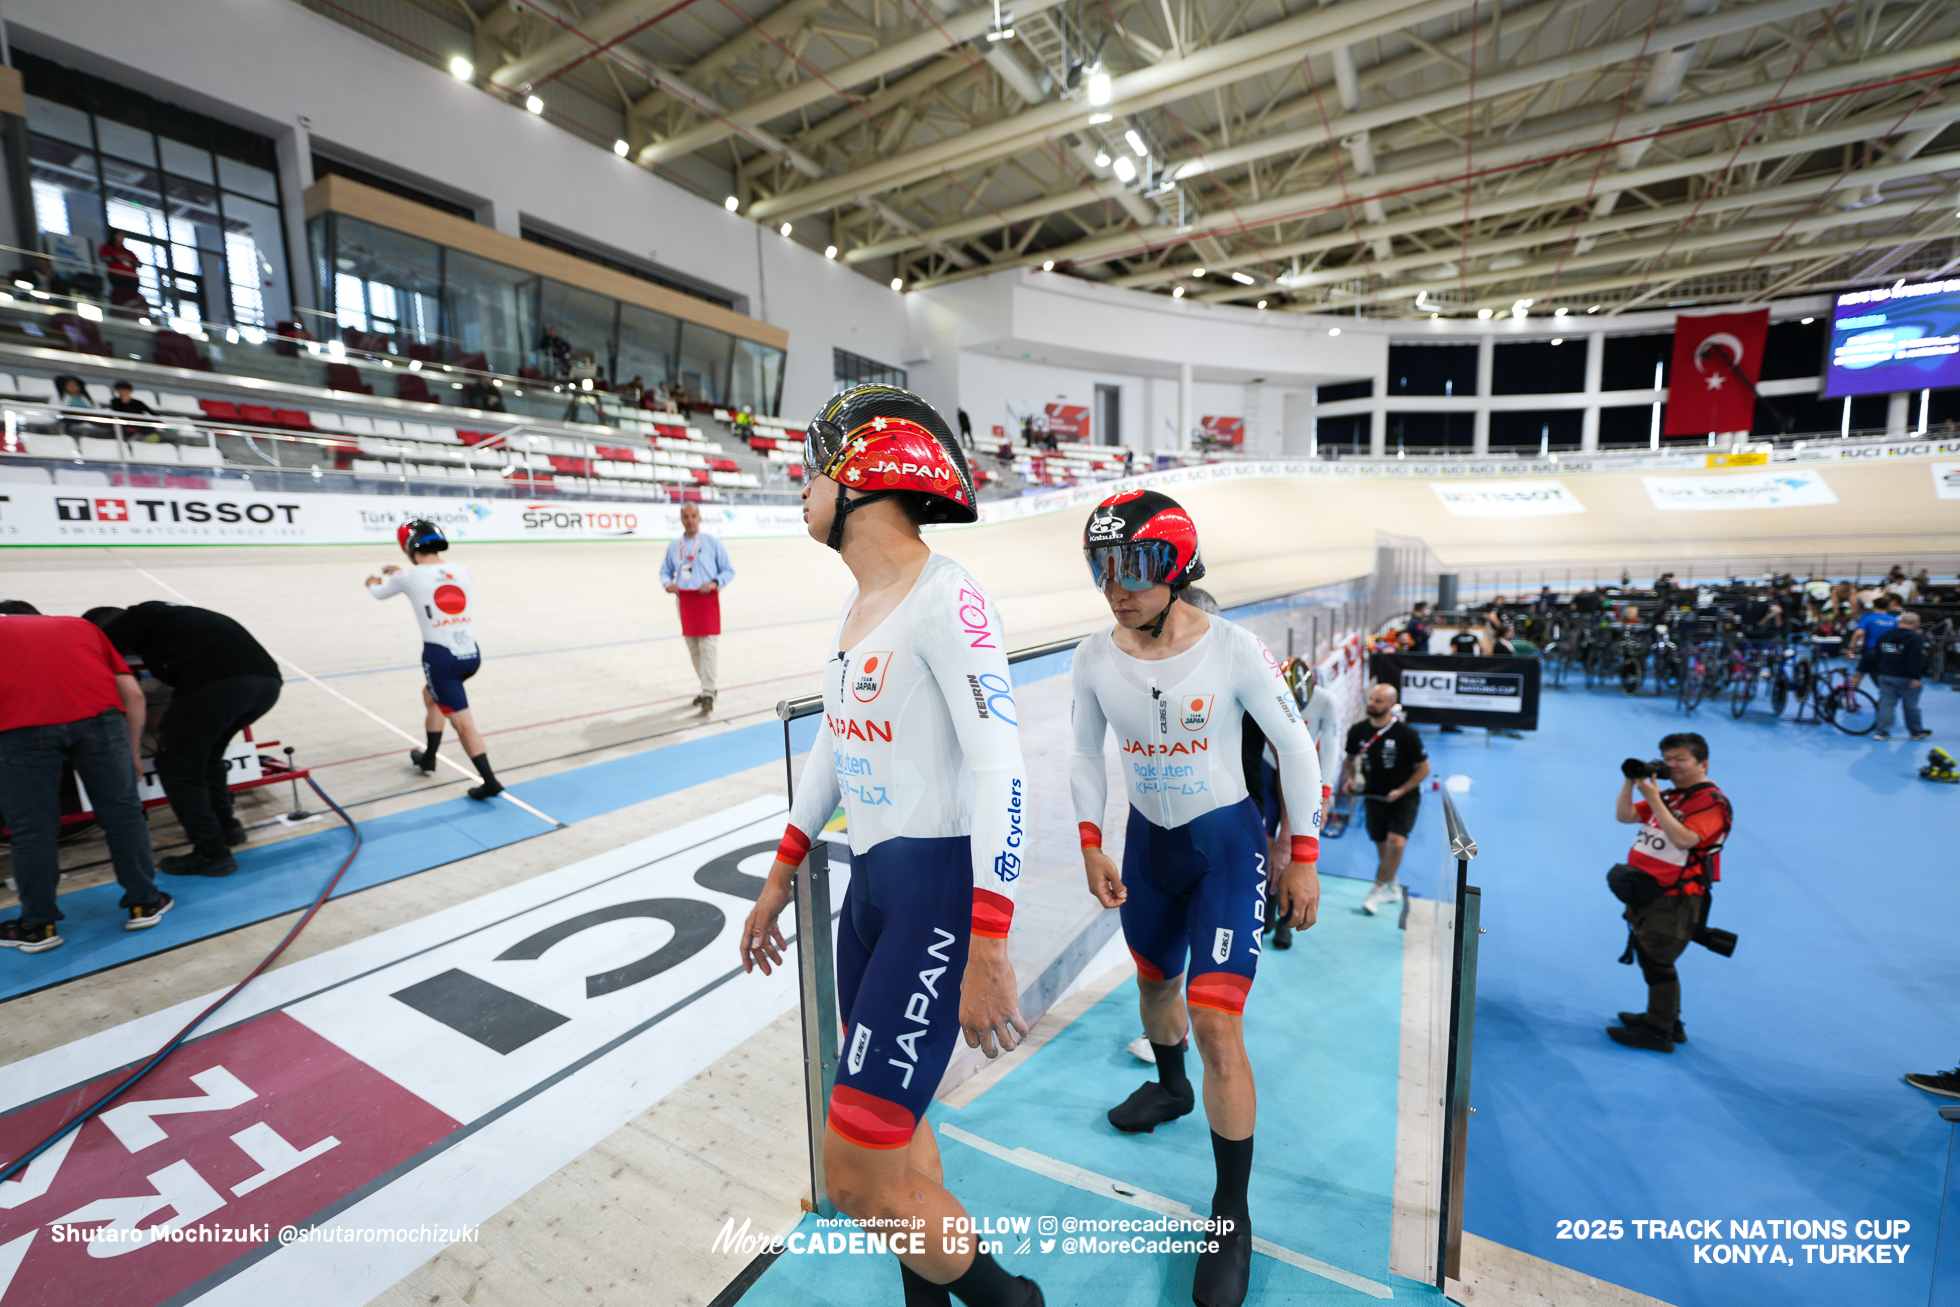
column 255, row 255
column 489, row 309
column 402, row 275
column 649, row 346
column 584, row 321
column 704, row 362
column 247, row 180
column 64, row 123
column 66, row 195
column 126, row 142
column 758, row 375
column 186, row 160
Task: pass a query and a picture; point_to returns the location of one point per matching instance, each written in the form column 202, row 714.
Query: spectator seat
column 173, row 349
column 344, row 376
column 81, row 334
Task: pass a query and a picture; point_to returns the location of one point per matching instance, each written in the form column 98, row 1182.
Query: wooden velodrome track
column 583, row 657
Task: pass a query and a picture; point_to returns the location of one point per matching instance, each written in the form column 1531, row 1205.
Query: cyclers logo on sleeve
column 1008, row 865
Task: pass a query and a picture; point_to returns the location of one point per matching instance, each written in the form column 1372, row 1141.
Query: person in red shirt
column 67, row 696
column 124, row 269
column 1679, row 848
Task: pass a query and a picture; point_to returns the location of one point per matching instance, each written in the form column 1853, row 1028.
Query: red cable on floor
column 177, row 1040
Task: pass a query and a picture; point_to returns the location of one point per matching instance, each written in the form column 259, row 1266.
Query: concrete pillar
column 1595, row 362
column 1897, row 405
column 1486, row 357
column 295, row 151
column 1378, row 420
column 1187, row 407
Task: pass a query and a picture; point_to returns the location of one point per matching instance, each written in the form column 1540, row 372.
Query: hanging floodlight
column 1136, row 142
column 1098, row 86
column 1126, row 172
column 1003, row 28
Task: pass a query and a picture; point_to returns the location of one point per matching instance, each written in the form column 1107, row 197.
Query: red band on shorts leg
column 1145, row 967
column 868, row 1120
column 1222, row 990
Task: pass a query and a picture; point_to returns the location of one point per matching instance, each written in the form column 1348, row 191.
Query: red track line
column 1579, row 214
column 1742, row 141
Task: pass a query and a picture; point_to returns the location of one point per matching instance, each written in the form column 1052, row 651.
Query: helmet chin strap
column 1156, row 628
column 845, row 507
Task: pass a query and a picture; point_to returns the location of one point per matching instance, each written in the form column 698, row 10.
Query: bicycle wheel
column 1632, row 672
column 1741, row 690
column 1715, row 677
column 1803, row 679
column 1692, row 682
column 1779, row 693
column 1667, row 669
column 1854, row 712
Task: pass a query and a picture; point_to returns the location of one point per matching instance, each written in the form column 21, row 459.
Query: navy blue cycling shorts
column 445, row 673
column 1197, row 891
column 901, row 954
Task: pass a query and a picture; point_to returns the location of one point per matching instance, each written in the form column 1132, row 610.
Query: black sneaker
column 1640, row 1036
column 1678, row 1034
column 1150, row 1106
column 1222, row 1277
column 196, row 864
column 487, row 790
column 236, row 834
column 1922, row 735
column 1944, row 1083
column 145, row 915
column 29, row 939
column 1881, row 735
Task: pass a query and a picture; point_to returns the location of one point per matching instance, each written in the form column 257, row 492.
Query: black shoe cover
column 422, row 762
column 1283, row 937
column 1679, row 1036
column 1640, row 1036
column 1149, row 1107
column 1223, row 1276
column 487, row 790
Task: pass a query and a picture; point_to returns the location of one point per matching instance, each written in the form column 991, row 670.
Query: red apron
column 700, row 612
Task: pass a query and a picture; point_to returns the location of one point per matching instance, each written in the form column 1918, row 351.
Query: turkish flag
column 1706, row 393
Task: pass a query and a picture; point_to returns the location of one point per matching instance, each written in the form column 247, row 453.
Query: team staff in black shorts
column 1386, row 766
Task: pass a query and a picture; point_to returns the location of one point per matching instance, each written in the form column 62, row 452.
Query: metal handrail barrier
column 1462, row 993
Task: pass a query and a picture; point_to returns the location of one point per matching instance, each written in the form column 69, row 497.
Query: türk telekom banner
column 1797, row 488
column 1946, row 480
column 96, row 515
column 1507, row 498
column 1460, row 691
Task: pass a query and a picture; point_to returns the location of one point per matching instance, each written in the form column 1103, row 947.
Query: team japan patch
column 871, row 675
column 1221, row 946
column 1195, row 710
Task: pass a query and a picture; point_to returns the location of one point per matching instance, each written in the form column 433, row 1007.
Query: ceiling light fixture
column 534, row 104
column 620, row 148
column 1102, row 161
column 1560, row 312
column 1136, row 142
column 1593, row 309
column 1126, row 172
column 830, row 251
column 1098, row 87
column 898, row 283
column 731, row 204
column 784, row 229
column 1483, row 314
column 1333, row 331
column 461, row 69
column 1243, row 280
column 1047, row 265
column 1262, row 304
column 1177, row 293
column 1558, row 340
column 1808, row 321
column 1197, row 272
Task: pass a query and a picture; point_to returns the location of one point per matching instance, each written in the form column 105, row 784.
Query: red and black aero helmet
column 1143, row 538
column 421, row 536
column 887, row 441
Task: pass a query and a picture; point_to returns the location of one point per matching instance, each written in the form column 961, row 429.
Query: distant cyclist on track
column 919, row 743
column 1174, row 684
column 440, row 594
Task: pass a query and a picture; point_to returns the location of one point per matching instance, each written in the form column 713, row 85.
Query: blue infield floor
column 1323, row 1029
column 1787, row 1102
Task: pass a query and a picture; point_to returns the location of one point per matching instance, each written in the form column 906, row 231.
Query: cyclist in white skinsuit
column 1174, row 685
column 919, row 743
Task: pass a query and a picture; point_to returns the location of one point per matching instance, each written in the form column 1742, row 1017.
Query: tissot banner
column 1452, row 691
column 1506, row 498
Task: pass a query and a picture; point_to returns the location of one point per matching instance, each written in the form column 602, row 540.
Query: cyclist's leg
column 1153, row 916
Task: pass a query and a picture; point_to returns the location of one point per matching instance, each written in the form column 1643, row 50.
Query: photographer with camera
column 1666, row 880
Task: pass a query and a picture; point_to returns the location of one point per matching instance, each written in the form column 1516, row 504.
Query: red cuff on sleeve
column 992, row 913
column 1091, row 834
column 1306, row 848
column 794, row 848
column 1326, row 792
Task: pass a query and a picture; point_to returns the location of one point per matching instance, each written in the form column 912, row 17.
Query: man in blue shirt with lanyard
column 695, row 570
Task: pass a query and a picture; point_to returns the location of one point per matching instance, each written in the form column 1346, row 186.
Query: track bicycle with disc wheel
column 1850, row 708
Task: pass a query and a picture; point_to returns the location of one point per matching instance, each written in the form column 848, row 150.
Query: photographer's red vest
column 1684, row 871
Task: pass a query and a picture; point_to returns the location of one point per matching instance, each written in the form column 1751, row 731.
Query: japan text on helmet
column 421, row 536
column 885, row 441
column 1143, row 538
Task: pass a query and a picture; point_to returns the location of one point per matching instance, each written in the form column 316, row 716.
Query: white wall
column 264, row 64
column 996, row 390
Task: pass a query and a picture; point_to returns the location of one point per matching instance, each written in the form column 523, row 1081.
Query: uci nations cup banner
column 224, row 515
column 1448, row 690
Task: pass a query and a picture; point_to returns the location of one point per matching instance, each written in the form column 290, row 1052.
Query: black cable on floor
column 177, row 1040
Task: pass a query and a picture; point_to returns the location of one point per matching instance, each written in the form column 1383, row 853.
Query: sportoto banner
column 225, row 514
column 1463, row 691
column 1507, row 498
column 1796, row 488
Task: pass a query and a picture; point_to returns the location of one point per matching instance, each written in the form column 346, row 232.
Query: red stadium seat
column 219, row 410
column 700, row 475
column 411, row 387
column 427, row 353
column 261, row 414
column 293, row 418
column 82, row 336
column 343, row 376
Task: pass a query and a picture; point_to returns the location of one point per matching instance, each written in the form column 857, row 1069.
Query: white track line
column 1102, row 1186
column 444, row 759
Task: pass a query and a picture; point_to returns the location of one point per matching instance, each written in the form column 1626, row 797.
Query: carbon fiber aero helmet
column 886, row 441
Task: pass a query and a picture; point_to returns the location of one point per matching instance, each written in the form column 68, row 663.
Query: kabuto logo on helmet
column 1105, row 525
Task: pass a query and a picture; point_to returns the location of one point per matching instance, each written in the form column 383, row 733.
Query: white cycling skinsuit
column 920, row 744
column 440, row 595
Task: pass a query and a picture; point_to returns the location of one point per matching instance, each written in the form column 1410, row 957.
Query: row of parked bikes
column 1808, row 671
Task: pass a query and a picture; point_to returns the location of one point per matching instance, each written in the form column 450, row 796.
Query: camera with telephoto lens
column 1656, row 770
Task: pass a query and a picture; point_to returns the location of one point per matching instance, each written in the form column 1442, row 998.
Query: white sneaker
column 1378, row 894
column 1141, row 1050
